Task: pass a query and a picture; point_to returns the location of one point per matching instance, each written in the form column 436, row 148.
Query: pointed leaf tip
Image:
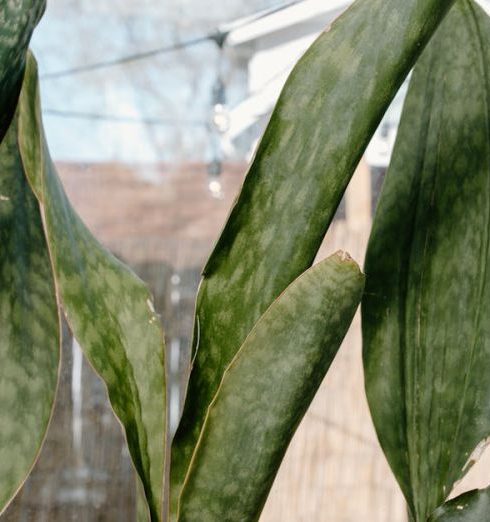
column 265, row 392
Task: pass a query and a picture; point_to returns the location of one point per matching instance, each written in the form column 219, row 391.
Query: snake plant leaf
column 17, row 21
column 265, row 392
column 426, row 326
column 473, row 506
column 108, row 308
column 326, row 114
column 29, row 324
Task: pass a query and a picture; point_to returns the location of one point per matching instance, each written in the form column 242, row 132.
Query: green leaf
column 17, row 21
column 473, row 506
column 426, row 325
column 265, row 392
column 108, row 308
column 327, row 112
column 29, row 325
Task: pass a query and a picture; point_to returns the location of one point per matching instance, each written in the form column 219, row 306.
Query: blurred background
column 153, row 110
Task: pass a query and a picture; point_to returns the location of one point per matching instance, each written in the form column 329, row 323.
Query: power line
column 94, row 116
column 114, row 118
column 218, row 36
column 126, row 59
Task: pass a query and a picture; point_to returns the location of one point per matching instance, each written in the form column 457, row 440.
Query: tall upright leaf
column 265, row 392
column 327, row 112
column 426, row 321
column 17, row 21
column 108, row 308
column 29, row 325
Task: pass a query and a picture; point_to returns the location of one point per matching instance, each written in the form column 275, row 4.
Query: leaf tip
column 344, row 258
column 343, row 255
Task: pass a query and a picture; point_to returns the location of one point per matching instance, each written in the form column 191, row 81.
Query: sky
column 155, row 110
column 171, row 92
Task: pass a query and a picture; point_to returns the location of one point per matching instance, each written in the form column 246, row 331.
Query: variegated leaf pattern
column 265, row 392
column 326, row 114
column 17, row 21
column 108, row 308
column 426, row 324
column 29, row 324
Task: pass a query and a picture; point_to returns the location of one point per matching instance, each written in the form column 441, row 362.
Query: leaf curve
column 108, row 308
column 473, row 506
column 326, row 114
column 265, row 392
column 18, row 20
column 29, row 329
column 426, row 333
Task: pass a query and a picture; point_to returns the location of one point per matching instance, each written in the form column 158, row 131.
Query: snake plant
column 426, row 310
column 268, row 322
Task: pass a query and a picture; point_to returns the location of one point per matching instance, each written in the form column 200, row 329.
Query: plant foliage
column 267, row 323
column 425, row 311
column 324, row 119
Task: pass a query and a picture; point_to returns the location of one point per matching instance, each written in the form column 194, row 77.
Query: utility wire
column 94, row 116
column 218, row 36
column 114, row 118
column 126, row 59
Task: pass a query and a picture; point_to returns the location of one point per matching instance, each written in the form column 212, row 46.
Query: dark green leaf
column 426, row 321
column 108, row 308
column 17, row 21
column 327, row 112
column 29, row 324
column 473, row 506
column 265, row 392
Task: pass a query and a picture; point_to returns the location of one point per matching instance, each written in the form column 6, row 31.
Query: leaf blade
column 265, row 392
column 30, row 331
column 473, row 506
column 426, row 342
column 108, row 308
column 18, row 22
column 295, row 184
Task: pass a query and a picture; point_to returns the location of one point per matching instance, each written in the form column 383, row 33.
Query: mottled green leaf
column 473, row 506
column 17, row 21
column 426, row 321
column 29, row 324
column 265, row 392
column 108, row 308
column 327, row 112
